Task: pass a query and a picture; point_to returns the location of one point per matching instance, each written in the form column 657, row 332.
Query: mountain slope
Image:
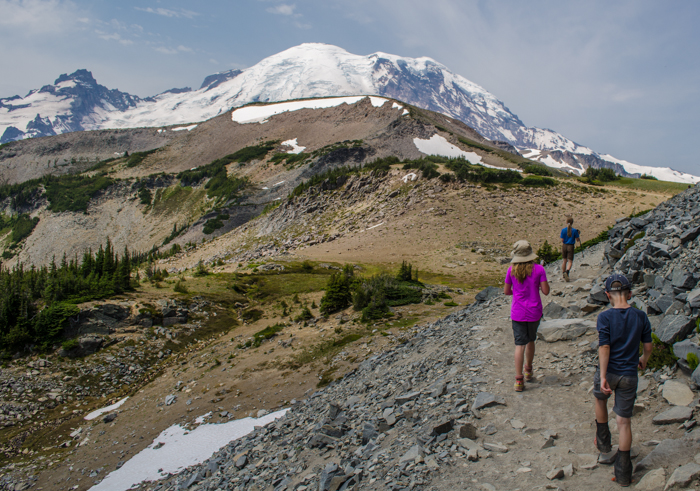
column 305, row 71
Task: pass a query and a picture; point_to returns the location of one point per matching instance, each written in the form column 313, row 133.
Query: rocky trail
column 438, row 411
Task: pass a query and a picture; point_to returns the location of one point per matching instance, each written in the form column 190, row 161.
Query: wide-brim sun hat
column 522, row 252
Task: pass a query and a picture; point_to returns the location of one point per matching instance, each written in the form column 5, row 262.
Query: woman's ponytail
column 569, row 223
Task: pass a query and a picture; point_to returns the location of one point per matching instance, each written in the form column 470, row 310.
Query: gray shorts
column 625, row 388
column 525, row 332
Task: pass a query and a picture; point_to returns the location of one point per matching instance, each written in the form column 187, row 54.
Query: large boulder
column 86, row 345
column 674, row 328
column 563, row 329
column 555, row 311
column 598, row 295
column 488, row 293
column 693, row 298
column 683, row 280
column 690, row 234
column 683, row 348
column 669, row 453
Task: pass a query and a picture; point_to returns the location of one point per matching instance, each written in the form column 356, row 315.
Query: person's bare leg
column 529, row 353
column 519, row 358
column 624, row 425
column 601, row 411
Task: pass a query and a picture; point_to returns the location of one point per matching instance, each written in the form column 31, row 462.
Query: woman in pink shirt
column 524, row 280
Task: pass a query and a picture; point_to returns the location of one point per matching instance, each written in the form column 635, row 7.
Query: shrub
column 465, row 171
column 451, row 304
column 338, row 295
column 214, row 224
column 70, row 344
column 180, row 287
column 261, row 336
column 145, row 196
column 649, row 177
column 201, row 269
column 547, row 253
column 305, row 315
column 537, row 181
column 603, row 175
column 427, row 168
column 537, row 169
column 307, row 266
column 693, row 361
column 661, row 354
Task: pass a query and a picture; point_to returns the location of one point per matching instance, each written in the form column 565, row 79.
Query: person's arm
column 603, row 359
column 544, row 286
column 508, row 289
column 645, row 356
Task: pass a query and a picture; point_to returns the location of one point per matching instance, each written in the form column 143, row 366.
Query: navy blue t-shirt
column 623, row 330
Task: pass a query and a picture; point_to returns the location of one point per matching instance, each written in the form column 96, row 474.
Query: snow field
column 260, row 114
column 438, row 145
column 296, row 149
column 177, row 448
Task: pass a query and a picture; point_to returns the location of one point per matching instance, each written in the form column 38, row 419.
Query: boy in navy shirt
column 620, row 330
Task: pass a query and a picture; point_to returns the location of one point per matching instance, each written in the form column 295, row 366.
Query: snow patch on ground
column 258, row 114
column 552, row 162
column 531, row 153
column 296, row 149
column 100, row 412
column 180, row 449
column 438, row 145
column 375, row 226
column 410, row 176
column 188, row 128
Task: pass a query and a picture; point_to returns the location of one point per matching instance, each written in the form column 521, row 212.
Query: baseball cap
column 622, row 279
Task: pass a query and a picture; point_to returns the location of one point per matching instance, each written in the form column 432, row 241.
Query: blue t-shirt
column 623, row 330
column 565, row 235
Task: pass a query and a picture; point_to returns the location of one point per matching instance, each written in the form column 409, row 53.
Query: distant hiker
column 620, row 330
column 524, row 280
column 569, row 236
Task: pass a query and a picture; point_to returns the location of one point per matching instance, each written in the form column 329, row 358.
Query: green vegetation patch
column 214, row 224
column 661, row 354
column 220, row 185
column 427, row 168
column 22, row 227
column 466, row 171
column 137, row 157
column 260, row 336
column 537, row 169
column 73, row 193
column 649, row 185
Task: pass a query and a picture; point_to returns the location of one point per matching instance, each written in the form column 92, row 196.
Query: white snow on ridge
column 661, row 173
column 296, row 149
column 438, row 145
column 188, row 128
column 181, row 448
column 260, row 114
column 100, row 412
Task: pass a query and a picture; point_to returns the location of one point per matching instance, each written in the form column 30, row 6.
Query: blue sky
column 620, row 77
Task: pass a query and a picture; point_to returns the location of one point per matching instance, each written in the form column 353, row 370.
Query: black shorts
column 525, row 332
column 625, row 388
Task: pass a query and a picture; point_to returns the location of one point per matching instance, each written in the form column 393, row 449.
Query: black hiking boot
column 602, row 437
column 623, row 468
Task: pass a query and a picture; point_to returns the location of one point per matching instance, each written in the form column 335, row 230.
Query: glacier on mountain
column 76, row 102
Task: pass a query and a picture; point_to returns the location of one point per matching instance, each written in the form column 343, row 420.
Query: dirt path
column 559, row 401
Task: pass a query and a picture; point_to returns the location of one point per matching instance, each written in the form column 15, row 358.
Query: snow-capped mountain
column 76, row 102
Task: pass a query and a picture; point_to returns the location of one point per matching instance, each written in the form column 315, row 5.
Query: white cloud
column 169, row 13
column 173, row 51
column 213, row 61
column 114, row 36
column 282, row 9
column 37, row 17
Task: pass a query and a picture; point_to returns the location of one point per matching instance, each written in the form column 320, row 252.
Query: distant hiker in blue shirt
column 620, row 331
column 569, row 236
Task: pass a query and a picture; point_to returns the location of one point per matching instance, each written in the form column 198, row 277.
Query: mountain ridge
column 307, row 71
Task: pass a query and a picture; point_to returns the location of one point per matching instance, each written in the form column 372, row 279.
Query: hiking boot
column 527, row 372
column 623, row 468
column 566, row 276
column 602, row 438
